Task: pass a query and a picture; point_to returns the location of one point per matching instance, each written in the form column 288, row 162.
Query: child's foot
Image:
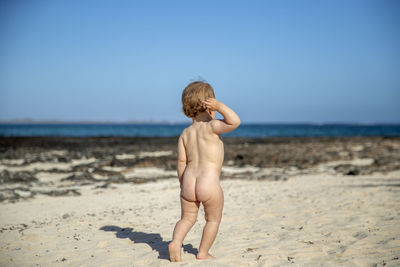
column 207, row 256
column 174, row 252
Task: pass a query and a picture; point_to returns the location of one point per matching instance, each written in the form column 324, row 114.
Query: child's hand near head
column 212, row 104
column 231, row 120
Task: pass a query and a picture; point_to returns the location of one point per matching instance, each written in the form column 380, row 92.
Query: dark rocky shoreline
column 102, row 161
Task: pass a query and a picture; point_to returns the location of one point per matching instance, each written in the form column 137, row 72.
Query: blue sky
column 271, row 61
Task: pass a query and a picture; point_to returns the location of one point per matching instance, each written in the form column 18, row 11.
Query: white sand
column 145, row 154
column 310, row 220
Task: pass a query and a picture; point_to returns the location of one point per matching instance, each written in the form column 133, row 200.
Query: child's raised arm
column 182, row 159
column 231, row 120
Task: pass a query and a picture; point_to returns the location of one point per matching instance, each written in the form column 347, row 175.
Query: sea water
column 168, row 130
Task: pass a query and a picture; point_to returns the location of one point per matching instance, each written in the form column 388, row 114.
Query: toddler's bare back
column 205, row 155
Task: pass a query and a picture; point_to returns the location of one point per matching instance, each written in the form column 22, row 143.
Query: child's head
column 192, row 96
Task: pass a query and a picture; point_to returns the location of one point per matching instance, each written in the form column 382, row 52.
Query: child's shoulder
column 184, row 131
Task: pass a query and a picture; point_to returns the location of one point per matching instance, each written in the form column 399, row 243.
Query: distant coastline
column 29, row 121
column 33, row 121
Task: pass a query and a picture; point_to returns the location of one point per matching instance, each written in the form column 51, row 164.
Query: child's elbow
column 237, row 123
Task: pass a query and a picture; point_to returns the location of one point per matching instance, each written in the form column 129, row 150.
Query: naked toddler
column 200, row 158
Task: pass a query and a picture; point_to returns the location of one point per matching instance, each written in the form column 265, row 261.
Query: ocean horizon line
column 165, row 122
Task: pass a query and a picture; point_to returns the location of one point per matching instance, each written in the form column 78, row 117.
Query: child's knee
column 212, row 218
column 190, row 219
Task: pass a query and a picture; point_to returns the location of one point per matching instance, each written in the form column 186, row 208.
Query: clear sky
column 271, row 61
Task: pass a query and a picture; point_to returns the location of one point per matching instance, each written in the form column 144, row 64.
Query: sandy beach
column 115, row 201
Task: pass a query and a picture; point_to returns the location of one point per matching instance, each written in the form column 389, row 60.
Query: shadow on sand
column 155, row 241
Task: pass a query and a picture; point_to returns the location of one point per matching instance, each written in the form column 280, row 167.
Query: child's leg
column 213, row 214
column 182, row 227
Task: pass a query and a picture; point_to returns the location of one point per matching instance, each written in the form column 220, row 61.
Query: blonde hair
column 192, row 96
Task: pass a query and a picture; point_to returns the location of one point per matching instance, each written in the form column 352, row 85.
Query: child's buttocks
column 199, row 184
